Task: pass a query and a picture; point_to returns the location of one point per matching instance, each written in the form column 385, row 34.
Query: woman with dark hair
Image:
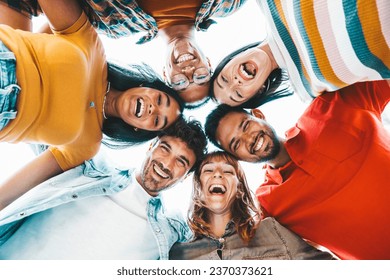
column 321, row 45
column 54, row 90
column 226, row 222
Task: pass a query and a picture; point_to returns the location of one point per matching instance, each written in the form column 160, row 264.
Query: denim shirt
column 92, row 178
column 272, row 241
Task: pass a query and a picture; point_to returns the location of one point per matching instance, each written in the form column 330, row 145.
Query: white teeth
column 185, row 57
column 259, row 144
column 244, row 73
column 142, row 108
column 161, row 173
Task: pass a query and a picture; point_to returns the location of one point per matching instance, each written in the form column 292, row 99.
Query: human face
column 248, row 138
column 167, row 163
column 242, row 77
column 188, row 71
column 147, row 108
column 219, row 183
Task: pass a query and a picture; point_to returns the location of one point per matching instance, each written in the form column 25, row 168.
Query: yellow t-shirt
column 63, row 79
column 172, row 12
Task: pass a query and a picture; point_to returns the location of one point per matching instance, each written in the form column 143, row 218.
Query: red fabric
column 336, row 190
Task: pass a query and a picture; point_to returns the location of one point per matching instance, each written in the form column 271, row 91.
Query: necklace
column 104, row 100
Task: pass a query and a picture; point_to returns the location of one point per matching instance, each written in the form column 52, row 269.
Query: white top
column 102, row 227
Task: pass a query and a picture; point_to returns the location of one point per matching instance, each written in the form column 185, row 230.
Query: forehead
column 228, row 126
column 178, row 147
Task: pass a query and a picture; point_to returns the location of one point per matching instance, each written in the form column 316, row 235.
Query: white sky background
column 230, row 33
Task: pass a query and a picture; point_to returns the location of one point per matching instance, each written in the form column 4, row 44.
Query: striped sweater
column 327, row 45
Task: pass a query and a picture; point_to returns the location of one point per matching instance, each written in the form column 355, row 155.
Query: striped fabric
column 119, row 18
column 327, row 45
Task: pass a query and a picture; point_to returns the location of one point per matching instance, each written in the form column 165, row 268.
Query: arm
column 14, row 19
column 61, row 13
column 37, row 171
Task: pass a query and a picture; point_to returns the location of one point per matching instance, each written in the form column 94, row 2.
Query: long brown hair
column 245, row 214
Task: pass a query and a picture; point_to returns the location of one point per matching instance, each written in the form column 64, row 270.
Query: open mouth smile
column 184, row 57
column 217, row 189
column 258, row 143
column 160, row 172
column 247, row 71
column 139, row 107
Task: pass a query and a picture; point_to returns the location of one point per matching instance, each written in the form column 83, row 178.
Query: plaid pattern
column 9, row 90
column 119, row 18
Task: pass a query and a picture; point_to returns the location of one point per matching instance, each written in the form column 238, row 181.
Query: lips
column 258, row 143
column 184, row 57
column 217, row 189
column 247, row 71
column 160, row 172
column 139, row 107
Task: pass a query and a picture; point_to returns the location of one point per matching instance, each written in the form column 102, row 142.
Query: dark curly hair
column 117, row 133
column 192, row 134
column 213, row 119
column 266, row 93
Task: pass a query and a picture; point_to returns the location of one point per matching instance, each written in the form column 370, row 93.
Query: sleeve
column 372, row 96
column 299, row 248
column 73, row 155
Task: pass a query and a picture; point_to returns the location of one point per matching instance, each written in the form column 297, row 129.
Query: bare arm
column 37, row 171
column 61, row 13
column 14, row 19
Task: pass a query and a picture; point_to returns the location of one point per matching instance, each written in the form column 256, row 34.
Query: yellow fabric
column 172, row 12
column 60, row 75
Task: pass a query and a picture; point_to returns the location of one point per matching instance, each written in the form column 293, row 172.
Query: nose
column 168, row 163
column 188, row 71
column 151, row 109
column 217, row 174
column 237, row 81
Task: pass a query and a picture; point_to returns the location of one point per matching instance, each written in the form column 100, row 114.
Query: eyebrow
column 185, row 159
column 220, row 86
column 165, row 122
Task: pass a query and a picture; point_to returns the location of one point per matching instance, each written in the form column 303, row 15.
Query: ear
column 258, row 114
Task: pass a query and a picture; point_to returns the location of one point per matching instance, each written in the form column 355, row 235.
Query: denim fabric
column 9, row 89
column 95, row 177
column 272, row 241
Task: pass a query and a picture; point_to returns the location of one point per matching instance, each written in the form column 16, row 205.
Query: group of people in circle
column 58, row 90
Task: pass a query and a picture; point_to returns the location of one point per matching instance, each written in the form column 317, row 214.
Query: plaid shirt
column 118, row 18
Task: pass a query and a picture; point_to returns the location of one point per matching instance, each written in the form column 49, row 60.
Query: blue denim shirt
column 93, row 178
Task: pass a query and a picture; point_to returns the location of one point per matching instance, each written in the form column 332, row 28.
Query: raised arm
column 61, row 13
column 37, row 171
column 14, row 19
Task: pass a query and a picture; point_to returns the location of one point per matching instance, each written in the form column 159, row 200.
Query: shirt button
column 158, row 230
column 91, row 104
column 22, row 214
column 74, row 196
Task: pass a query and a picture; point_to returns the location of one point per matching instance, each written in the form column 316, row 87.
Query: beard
column 149, row 183
column 273, row 149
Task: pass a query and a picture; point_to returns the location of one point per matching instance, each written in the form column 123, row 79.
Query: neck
column 265, row 48
column 177, row 32
column 218, row 223
column 282, row 157
column 110, row 102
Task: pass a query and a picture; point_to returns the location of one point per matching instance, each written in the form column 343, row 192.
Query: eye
column 156, row 121
column 180, row 162
column 224, row 79
column 179, row 82
column 164, row 148
column 159, row 99
column 207, row 170
column 228, row 172
column 236, row 145
column 245, row 127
